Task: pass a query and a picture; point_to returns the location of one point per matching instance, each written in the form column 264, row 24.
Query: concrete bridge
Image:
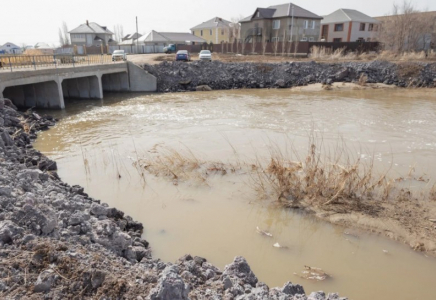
column 48, row 87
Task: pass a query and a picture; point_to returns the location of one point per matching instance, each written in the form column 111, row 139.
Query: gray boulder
column 45, row 281
column 9, row 231
column 240, row 269
column 316, row 296
column 292, row 289
column 170, row 286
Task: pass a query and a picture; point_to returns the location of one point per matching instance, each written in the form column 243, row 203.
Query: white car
column 205, row 55
column 119, row 55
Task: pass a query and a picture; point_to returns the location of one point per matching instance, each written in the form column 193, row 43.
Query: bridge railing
column 15, row 62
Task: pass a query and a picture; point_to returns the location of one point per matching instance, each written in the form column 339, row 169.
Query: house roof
column 42, row 45
column 132, row 36
column 12, row 44
column 91, row 27
column 155, row 36
column 212, row 23
column 347, row 15
column 281, row 11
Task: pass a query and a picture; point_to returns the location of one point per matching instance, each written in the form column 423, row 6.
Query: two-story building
column 91, row 34
column 216, row 30
column 348, row 25
column 284, row 22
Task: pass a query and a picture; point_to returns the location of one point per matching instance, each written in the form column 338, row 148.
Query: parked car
column 171, row 48
column 183, row 55
column 205, row 55
column 119, row 55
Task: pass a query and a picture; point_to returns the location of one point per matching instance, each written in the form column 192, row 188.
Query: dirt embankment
column 56, row 242
column 180, row 76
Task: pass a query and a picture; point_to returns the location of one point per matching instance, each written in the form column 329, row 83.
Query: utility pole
column 292, row 22
column 137, row 52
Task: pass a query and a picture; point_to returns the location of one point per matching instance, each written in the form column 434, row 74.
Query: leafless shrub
column 407, row 28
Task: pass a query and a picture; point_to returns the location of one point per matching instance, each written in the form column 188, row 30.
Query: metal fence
column 14, row 62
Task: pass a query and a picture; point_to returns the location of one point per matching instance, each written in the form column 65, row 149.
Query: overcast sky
column 32, row 21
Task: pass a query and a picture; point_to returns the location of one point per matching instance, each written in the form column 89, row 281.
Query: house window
column 222, row 31
column 306, row 24
column 337, row 40
column 276, row 24
column 362, row 26
column 210, row 31
column 339, row 27
column 275, row 39
column 313, row 24
column 201, row 32
column 311, row 39
column 371, row 27
column 360, row 40
column 303, row 39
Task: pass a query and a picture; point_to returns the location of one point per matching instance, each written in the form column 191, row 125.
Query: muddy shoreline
column 59, row 243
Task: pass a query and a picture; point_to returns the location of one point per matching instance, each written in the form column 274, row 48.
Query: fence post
column 10, row 64
column 88, row 59
column 34, row 64
column 102, row 58
column 72, row 56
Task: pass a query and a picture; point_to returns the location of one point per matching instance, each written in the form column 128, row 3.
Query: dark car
column 183, row 55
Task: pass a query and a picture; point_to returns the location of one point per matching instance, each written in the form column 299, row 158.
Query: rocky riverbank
column 180, row 76
column 56, row 242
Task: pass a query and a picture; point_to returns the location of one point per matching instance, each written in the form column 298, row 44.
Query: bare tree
column 61, row 38
column 119, row 32
column 284, row 42
column 276, row 43
column 406, row 28
column 264, row 44
column 66, row 34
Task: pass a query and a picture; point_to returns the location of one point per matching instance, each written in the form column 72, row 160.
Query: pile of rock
column 178, row 76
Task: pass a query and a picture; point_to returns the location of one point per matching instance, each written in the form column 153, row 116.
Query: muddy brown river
column 96, row 142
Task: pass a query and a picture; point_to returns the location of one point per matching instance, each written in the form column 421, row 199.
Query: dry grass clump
column 323, row 178
column 363, row 79
column 183, row 167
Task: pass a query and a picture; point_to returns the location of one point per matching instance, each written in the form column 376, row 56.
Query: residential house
column 216, row 31
column 91, row 34
column 10, row 48
column 348, row 25
column 284, row 22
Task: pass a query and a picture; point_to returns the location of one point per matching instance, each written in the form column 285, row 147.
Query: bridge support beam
column 43, row 94
column 116, row 82
column 82, row 88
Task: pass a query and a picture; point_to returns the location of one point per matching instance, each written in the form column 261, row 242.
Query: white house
column 91, row 34
column 10, row 48
column 348, row 25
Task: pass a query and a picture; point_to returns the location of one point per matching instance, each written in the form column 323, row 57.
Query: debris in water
column 351, row 234
column 312, row 273
column 263, row 232
column 277, row 245
column 385, row 251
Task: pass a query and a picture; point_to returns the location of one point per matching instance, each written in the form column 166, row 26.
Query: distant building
column 348, row 25
column 287, row 22
column 216, row 30
column 10, row 48
column 154, row 41
column 91, row 34
column 44, row 48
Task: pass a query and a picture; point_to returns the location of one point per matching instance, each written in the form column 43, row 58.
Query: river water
column 96, row 142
